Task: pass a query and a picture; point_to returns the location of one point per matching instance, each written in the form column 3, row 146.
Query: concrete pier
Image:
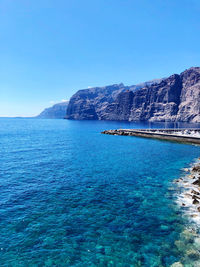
column 191, row 136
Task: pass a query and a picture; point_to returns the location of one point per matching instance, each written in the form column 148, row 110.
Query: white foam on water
column 184, row 196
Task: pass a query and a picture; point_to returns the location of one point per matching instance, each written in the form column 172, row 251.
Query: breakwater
column 191, row 136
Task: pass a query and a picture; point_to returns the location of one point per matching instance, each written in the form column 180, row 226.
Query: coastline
column 188, row 199
column 189, row 191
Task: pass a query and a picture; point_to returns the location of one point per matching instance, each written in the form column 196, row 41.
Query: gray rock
column 175, row 98
column 57, row 111
column 98, row 103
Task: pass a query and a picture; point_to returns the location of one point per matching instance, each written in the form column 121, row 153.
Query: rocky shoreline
column 189, row 197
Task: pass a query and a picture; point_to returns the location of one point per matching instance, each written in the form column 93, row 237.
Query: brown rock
column 197, row 182
column 196, row 168
column 195, row 192
column 193, row 254
column 195, row 201
column 195, row 197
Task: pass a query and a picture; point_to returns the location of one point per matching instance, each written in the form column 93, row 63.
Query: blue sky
column 49, row 49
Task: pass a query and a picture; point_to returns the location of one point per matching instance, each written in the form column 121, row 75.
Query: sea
column 71, row 196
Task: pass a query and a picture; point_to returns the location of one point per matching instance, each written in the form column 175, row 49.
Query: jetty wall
column 167, row 134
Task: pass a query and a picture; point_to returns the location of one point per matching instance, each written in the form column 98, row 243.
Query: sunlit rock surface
column 175, row 98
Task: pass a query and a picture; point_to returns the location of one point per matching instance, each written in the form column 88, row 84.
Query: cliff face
column 189, row 108
column 87, row 104
column 57, row 111
column 175, row 98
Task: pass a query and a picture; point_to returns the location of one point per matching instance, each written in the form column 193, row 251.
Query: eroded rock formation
column 175, row 98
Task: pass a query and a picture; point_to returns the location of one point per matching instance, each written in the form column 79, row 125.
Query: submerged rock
column 177, row 264
column 193, row 254
column 179, row 244
column 188, row 235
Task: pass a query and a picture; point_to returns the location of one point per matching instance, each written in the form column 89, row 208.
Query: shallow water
column 70, row 196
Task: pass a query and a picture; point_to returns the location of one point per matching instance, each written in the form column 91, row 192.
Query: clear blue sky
column 49, row 49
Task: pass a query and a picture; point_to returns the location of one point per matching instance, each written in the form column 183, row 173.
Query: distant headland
column 172, row 99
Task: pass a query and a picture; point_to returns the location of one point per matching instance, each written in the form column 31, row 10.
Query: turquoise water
column 70, row 196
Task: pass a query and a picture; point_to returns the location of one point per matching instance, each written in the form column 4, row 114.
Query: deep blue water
column 70, row 196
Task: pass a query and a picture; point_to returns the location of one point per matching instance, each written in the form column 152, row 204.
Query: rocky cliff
column 92, row 103
column 57, row 111
column 175, row 98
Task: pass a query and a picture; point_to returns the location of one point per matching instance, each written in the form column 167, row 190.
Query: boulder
column 196, row 168
column 195, row 201
column 195, row 192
